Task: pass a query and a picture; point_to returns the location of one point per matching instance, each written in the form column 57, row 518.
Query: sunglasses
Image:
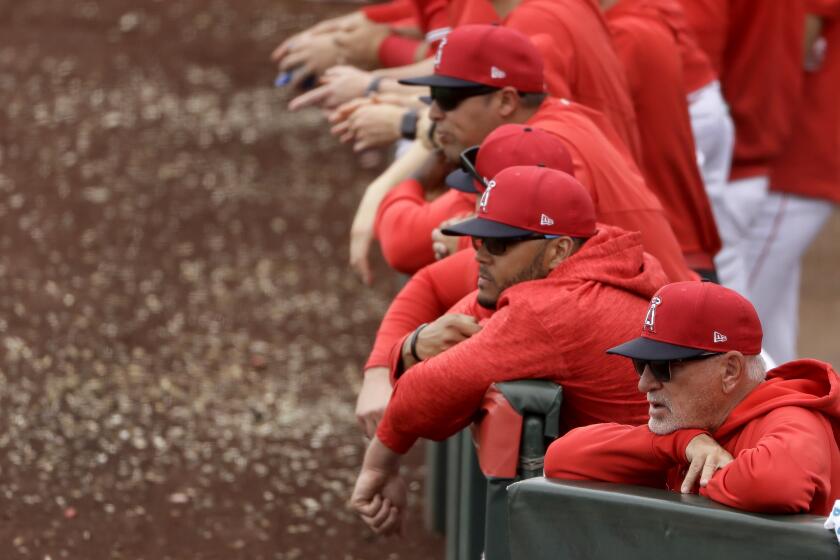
column 467, row 163
column 661, row 369
column 448, row 99
column 498, row 246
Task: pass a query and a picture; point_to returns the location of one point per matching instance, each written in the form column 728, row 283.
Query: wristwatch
column 408, row 125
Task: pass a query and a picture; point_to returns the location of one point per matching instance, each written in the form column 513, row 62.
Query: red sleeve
column 782, row 472
column 397, row 50
column 823, row 8
column 617, row 453
column 439, row 396
column 553, row 42
column 405, row 220
column 426, row 296
column 387, row 12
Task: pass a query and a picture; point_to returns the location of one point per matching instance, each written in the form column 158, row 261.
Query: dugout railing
column 497, row 502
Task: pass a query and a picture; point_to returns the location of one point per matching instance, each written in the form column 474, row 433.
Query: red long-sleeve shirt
column 757, row 49
column 810, row 163
column 405, row 220
column 648, row 46
column 783, row 437
column 602, row 290
column 580, row 63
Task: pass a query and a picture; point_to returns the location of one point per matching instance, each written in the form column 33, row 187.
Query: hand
column 311, row 55
column 445, row 245
column 373, row 125
column 360, row 43
column 379, row 495
column 373, row 399
column 706, row 456
column 339, row 84
column 432, row 173
column 436, row 337
column 332, row 25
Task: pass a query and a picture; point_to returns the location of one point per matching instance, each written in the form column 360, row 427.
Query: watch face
column 408, row 126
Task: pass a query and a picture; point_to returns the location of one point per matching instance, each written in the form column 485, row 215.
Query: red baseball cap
column 687, row 319
column 509, row 145
column 485, row 55
column 529, row 199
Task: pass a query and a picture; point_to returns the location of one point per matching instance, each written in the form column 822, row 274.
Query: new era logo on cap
column 497, row 73
column 546, row 221
column 718, row 338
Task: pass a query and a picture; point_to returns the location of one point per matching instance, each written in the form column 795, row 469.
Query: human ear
column 559, row 250
column 508, row 102
column 735, row 368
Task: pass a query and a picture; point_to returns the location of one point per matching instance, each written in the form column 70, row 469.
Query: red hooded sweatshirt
column 556, row 328
column 783, row 435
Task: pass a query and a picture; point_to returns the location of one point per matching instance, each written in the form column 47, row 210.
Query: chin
column 661, row 427
column 487, row 302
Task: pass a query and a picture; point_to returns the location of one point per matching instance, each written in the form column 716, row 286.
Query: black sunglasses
column 661, row 369
column 448, row 99
column 498, row 246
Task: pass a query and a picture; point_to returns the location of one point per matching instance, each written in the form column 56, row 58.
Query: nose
column 436, row 114
column 647, row 382
column 482, row 256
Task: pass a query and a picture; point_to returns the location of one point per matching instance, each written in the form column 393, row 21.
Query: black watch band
column 373, row 86
column 408, row 125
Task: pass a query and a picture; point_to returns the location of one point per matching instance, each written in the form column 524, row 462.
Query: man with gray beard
column 759, row 441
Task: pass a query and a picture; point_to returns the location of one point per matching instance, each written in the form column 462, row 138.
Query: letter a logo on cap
column 485, row 196
column 719, row 337
column 439, row 53
column 546, row 221
column 650, row 318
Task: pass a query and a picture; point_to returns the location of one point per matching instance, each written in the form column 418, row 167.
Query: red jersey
column 602, row 289
column 757, row 48
column 580, row 63
column 405, row 220
column 810, row 163
column 783, row 436
column 650, row 50
column 620, row 194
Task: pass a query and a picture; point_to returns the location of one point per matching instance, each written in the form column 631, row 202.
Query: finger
column 370, row 426
column 293, row 60
column 691, row 476
column 340, row 129
column 393, row 523
column 310, row 98
column 300, row 75
column 362, row 268
column 381, row 516
column 285, row 47
column 466, row 325
column 369, row 508
column 708, row 471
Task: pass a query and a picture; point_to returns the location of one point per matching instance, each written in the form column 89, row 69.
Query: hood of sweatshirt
column 803, row 383
column 612, row 257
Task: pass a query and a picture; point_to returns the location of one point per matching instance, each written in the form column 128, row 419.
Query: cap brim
column 646, row 349
column 462, row 181
column 478, row 227
column 436, row 80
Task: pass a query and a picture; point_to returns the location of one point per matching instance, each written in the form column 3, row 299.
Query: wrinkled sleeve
column 439, row 396
column 405, row 220
column 387, row 12
column 782, row 472
column 617, row 453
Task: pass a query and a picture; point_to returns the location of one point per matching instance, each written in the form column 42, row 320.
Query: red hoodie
column 556, row 328
column 783, row 435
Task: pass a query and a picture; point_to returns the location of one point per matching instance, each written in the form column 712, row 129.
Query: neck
column 504, row 7
column 522, row 115
column 733, row 403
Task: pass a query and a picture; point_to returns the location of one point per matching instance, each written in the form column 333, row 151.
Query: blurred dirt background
column 181, row 340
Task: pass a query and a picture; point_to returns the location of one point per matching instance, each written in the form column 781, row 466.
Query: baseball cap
column 509, row 145
column 687, row 319
column 485, row 55
column 530, row 199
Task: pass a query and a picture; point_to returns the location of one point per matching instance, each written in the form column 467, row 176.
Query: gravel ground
column 181, row 339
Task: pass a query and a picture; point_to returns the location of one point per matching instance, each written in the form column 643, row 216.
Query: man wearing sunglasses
column 759, row 441
column 564, row 289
